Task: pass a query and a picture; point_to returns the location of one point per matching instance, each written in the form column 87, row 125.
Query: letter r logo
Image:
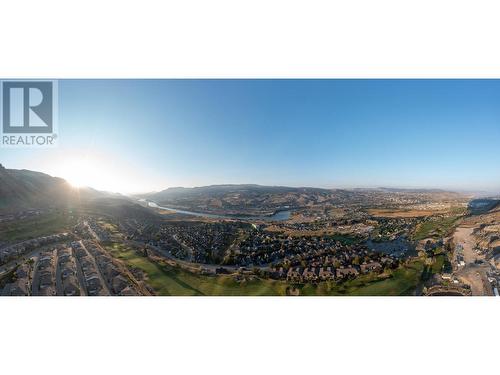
column 27, row 107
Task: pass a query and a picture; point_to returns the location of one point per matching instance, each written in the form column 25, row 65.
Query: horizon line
column 311, row 186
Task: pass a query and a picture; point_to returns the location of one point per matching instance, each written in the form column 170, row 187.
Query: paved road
column 59, row 286
column 187, row 264
column 36, row 279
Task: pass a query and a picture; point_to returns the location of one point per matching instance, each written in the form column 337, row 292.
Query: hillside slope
column 22, row 189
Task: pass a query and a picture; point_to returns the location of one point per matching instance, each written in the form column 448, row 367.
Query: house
column 64, row 257
column 48, row 291
column 44, row 264
column 281, row 273
column 221, row 271
column 67, row 272
column 44, row 257
column 110, row 271
column 294, row 274
column 45, row 280
column 87, row 266
column 22, row 271
column 370, row 267
column 91, row 278
column 309, row 274
column 93, row 284
column 71, row 288
column 326, row 273
column 346, row 272
column 118, row 284
column 128, row 291
column 18, row 288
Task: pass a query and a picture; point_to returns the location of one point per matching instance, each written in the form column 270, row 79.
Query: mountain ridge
column 24, row 189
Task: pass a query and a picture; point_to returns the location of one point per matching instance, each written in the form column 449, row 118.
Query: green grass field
column 167, row 280
column 403, row 281
column 35, row 227
column 400, row 282
column 8, row 277
column 435, row 228
column 346, row 239
column 438, row 265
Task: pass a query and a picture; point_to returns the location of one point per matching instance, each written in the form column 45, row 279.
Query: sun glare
column 79, row 173
column 90, row 172
column 99, row 171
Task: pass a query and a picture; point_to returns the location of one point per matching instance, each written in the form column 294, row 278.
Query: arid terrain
column 477, row 242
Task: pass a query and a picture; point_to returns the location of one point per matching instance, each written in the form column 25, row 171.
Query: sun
column 89, row 171
column 98, row 171
column 79, row 173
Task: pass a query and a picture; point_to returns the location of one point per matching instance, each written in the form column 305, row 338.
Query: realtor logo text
column 28, row 113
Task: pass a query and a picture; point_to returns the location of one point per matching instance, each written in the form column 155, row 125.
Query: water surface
column 277, row 216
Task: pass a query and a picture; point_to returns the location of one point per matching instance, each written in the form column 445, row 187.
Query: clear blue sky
column 327, row 133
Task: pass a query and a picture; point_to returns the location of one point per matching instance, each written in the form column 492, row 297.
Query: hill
column 221, row 190
column 245, row 199
column 258, row 200
column 24, row 189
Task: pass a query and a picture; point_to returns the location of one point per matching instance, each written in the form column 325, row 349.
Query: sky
column 146, row 135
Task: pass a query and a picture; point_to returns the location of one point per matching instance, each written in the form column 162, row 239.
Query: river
column 277, row 216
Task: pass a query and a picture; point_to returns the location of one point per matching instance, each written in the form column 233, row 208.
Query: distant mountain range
column 249, row 199
column 410, row 190
column 246, row 199
column 221, row 190
column 217, row 190
column 22, row 189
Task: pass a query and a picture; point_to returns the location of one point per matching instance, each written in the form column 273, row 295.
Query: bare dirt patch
column 403, row 213
column 472, row 274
